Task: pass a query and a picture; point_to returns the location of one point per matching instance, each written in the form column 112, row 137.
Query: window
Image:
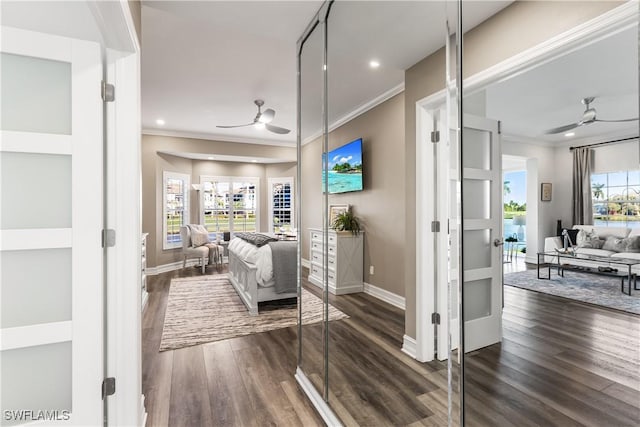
column 616, row 198
column 175, row 198
column 281, row 204
column 229, row 204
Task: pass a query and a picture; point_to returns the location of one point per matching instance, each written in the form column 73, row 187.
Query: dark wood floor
column 561, row 363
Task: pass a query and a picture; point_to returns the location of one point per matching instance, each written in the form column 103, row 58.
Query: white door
column 51, row 328
column 482, row 233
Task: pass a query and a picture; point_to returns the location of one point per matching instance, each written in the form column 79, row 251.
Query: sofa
column 612, row 242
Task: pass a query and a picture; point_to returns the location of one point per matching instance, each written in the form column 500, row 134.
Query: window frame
column 608, row 200
column 281, row 180
column 231, row 180
column 186, row 178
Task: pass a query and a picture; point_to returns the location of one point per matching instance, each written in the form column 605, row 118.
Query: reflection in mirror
column 533, row 350
column 381, row 58
column 311, row 308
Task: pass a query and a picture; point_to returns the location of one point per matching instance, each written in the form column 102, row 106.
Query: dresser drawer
column 316, row 246
column 316, row 235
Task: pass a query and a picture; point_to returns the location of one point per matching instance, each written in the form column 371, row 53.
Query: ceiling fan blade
column 562, row 128
column 267, row 116
column 276, row 129
column 236, row 126
column 612, row 121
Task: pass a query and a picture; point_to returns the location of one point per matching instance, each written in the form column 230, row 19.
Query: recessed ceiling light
column 374, row 64
column 260, row 125
column 568, row 134
column 209, row 158
column 160, row 122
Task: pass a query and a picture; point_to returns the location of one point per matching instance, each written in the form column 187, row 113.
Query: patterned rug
column 206, row 309
column 590, row 288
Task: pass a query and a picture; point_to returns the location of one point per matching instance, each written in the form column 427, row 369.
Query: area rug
column 599, row 290
column 207, row 308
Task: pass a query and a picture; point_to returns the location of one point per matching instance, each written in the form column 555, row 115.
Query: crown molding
column 214, row 137
column 358, row 111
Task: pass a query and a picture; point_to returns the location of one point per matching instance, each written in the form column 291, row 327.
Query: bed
column 262, row 268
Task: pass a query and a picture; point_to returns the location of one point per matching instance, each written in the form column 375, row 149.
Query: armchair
column 207, row 253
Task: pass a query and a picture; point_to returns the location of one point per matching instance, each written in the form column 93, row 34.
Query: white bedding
column 259, row 256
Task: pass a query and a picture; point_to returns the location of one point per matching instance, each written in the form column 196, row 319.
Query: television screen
column 345, row 168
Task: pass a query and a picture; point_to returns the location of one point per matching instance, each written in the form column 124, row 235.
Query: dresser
column 143, row 270
column 346, row 258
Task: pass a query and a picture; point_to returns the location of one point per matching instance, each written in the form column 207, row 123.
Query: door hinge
column 499, row 127
column 435, row 318
column 435, row 226
column 108, row 387
column 435, row 136
column 108, row 92
column 108, row 238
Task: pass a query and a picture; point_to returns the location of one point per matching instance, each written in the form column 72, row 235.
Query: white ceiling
column 549, row 95
column 203, row 63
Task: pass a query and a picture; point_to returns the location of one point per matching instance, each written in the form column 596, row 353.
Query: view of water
column 344, row 182
column 510, row 229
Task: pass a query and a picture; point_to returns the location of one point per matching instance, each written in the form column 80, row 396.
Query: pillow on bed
column 256, row 238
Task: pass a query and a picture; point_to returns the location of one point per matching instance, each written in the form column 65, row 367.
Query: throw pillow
column 615, row 244
column 633, row 244
column 199, row 235
column 586, row 239
column 573, row 235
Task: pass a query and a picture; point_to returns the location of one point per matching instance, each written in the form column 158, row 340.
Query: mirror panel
column 311, row 307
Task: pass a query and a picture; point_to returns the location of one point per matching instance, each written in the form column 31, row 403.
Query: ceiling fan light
column 267, row 116
column 260, row 125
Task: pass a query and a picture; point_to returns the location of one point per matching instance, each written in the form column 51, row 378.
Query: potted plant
column 346, row 221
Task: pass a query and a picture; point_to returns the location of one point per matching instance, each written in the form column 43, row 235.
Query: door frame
column 123, row 214
column 621, row 18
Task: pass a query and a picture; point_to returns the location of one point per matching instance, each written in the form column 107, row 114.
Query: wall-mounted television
column 345, row 168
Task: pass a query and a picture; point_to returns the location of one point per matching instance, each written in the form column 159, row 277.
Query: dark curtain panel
column 582, row 212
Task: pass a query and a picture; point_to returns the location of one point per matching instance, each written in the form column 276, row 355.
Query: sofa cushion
column 626, row 255
column 634, row 232
column 633, row 244
column 586, row 239
column 605, row 232
column 598, row 252
column 615, row 244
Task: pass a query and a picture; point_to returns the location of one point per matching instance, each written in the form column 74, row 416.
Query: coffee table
column 599, row 265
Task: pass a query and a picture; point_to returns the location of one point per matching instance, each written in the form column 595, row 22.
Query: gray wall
column 381, row 205
column 155, row 163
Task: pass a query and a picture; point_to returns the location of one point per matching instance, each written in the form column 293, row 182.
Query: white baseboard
column 306, row 263
column 145, row 299
column 152, row 271
column 409, row 346
column 318, row 402
column 142, row 412
column 384, row 295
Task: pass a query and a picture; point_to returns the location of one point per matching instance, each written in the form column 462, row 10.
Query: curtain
column 582, row 212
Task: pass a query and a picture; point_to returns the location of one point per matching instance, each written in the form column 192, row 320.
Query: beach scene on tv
column 345, row 168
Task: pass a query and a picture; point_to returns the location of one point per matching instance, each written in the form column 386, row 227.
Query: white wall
column 540, row 168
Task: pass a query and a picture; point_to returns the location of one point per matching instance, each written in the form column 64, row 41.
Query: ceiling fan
column 262, row 119
column 588, row 117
